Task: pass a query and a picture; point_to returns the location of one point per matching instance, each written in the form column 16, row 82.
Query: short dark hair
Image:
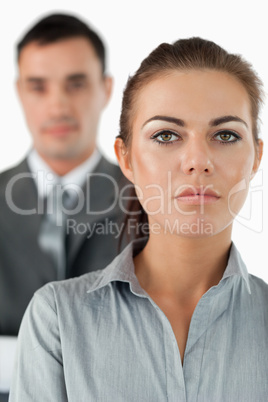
column 56, row 27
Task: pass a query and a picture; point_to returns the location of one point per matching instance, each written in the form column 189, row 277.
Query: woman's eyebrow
column 169, row 119
column 212, row 123
column 226, row 119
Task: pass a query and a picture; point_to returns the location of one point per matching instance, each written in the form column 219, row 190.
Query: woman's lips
column 197, row 199
column 202, row 196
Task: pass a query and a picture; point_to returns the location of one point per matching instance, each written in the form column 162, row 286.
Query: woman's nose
column 197, row 158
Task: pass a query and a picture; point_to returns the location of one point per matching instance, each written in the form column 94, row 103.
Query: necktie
column 52, row 231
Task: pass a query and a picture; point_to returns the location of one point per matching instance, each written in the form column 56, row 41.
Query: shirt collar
column 45, row 178
column 122, row 269
column 236, row 266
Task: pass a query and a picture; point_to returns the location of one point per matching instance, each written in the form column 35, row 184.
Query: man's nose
column 58, row 101
column 197, row 158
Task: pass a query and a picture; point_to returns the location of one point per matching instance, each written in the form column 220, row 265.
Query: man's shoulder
column 8, row 174
column 107, row 167
column 11, row 174
column 108, row 175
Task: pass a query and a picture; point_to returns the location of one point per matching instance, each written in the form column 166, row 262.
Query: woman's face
column 192, row 154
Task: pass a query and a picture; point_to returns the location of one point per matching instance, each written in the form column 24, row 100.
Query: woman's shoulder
column 121, row 268
column 258, row 288
column 73, row 287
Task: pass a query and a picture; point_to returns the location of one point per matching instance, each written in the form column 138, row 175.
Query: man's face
column 63, row 93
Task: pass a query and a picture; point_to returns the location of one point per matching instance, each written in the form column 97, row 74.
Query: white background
column 131, row 30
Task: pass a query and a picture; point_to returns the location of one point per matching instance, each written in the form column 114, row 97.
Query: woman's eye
column 227, row 137
column 165, row 137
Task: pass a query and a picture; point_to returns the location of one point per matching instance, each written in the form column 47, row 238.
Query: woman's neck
column 182, row 267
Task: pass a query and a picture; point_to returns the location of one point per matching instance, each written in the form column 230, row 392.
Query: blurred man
column 63, row 89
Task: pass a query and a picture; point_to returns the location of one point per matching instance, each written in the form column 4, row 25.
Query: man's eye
column 76, row 85
column 37, row 88
column 165, row 137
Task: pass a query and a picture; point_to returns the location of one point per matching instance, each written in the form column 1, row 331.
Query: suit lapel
column 22, row 197
column 24, row 213
column 101, row 195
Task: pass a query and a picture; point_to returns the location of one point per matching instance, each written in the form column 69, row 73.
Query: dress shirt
column 7, row 356
column 45, row 179
column 101, row 338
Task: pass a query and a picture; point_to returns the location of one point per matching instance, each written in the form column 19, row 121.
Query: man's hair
column 58, row 27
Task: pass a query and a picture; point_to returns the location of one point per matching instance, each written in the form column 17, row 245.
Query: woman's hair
column 186, row 54
column 190, row 54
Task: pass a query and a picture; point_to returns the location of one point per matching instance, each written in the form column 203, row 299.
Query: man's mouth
column 60, row 130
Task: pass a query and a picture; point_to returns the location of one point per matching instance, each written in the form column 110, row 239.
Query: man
column 63, row 90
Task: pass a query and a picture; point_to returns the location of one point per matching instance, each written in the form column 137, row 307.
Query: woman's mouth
column 198, row 196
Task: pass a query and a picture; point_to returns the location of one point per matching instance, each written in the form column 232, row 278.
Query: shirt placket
column 176, row 391
column 183, row 381
column 209, row 308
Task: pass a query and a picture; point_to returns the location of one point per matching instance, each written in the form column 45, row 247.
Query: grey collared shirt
column 101, row 338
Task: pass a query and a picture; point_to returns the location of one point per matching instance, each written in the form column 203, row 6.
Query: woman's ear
column 123, row 157
column 258, row 157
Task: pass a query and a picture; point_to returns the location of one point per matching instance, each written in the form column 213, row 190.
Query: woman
column 177, row 317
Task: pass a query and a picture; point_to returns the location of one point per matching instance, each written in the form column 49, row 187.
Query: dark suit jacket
column 24, row 267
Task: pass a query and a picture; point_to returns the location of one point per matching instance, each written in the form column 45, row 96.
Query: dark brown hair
column 56, row 27
column 190, row 54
